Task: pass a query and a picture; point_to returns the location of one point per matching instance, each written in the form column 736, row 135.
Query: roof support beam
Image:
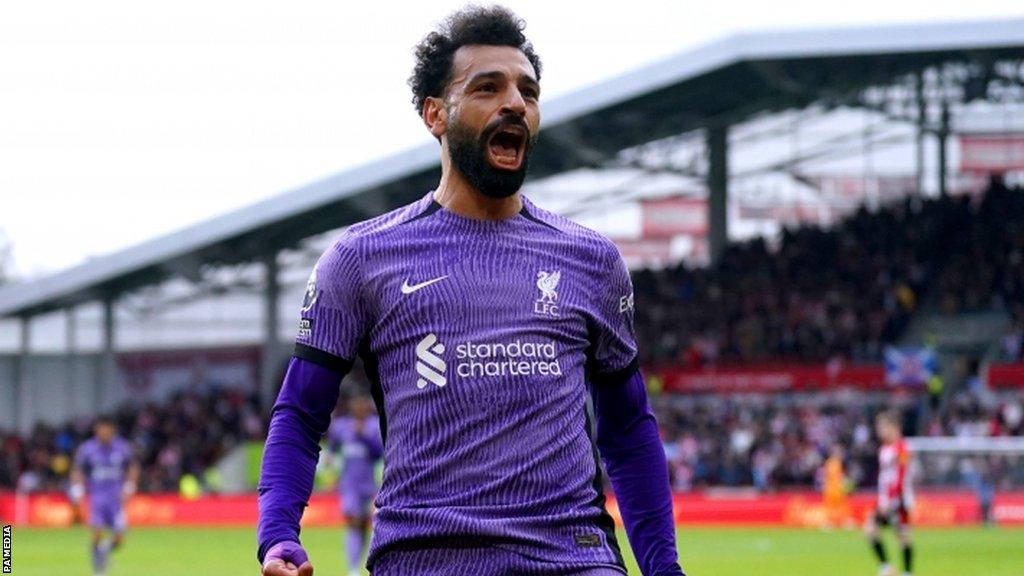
column 271, row 346
column 718, row 190
column 106, row 375
column 22, row 398
column 922, row 121
column 70, row 349
column 943, row 150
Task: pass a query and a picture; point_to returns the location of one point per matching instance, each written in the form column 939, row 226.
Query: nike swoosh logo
column 410, row 288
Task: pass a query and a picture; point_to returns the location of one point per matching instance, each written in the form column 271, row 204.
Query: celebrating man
column 484, row 323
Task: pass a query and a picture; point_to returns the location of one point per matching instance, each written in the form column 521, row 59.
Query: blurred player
column 357, row 437
column 895, row 496
column 834, row 489
column 485, row 323
column 104, row 469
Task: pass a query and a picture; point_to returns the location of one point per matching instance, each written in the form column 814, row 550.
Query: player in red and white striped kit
column 895, row 493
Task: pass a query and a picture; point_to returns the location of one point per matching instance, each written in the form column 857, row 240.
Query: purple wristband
column 288, row 551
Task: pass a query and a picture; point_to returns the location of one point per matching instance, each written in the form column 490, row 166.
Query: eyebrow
column 496, row 75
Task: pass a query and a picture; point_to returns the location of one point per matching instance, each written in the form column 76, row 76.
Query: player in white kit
column 895, row 492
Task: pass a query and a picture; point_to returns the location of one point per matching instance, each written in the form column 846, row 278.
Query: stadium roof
column 720, row 83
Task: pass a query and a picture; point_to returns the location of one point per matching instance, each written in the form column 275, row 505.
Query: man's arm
column 627, row 438
column 299, row 418
column 627, row 434
column 131, row 480
column 76, row 490
column 334, row 320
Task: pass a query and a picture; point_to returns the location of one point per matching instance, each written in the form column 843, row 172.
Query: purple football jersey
column 105, row 467
column 360, row 452
column 479, row 337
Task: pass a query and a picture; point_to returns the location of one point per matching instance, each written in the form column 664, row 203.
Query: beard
column 469, row 156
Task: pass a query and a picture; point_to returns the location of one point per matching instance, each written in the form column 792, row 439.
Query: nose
column 514, row 102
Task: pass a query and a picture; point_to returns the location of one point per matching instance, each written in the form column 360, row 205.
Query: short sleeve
column 333, row 317
column 613, row 349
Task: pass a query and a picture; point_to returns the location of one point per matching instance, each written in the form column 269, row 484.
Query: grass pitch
column 704, row 551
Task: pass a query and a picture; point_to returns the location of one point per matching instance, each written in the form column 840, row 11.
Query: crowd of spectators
column 984, row 268
column 184, row 434
column 765, row 442
column 842, row 292
column 781, row 442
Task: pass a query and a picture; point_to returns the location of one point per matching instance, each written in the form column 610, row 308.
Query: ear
column 435, row 116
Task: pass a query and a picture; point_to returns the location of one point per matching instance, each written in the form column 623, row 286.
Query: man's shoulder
column 387, row 221
column 87, row 447
column 346, row 245
column 594, row 243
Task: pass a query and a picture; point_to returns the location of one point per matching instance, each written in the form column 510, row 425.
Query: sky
column 124, row 120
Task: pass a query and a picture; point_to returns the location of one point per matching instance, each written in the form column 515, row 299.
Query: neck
column 455, row 193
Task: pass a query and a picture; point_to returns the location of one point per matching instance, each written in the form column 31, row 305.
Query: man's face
column 360, row 407
column 105, row 432
column 885, row 430
column 493, row 117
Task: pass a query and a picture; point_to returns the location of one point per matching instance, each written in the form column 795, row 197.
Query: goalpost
column 985, row 466
column 966, row 444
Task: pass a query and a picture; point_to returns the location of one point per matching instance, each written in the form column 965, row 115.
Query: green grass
column 704, row 551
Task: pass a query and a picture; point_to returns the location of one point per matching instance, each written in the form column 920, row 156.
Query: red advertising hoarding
column 773, row 378
column 675, row 216
column 1005, row 375
column 991, row 153
column 158, row 372
column 738, row 509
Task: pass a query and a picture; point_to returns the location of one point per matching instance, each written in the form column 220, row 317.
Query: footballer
column 895, row 493
column 105, row 469
column 485, row 324
column 355, row 436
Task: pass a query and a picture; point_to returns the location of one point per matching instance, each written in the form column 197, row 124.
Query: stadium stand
column 843, row 292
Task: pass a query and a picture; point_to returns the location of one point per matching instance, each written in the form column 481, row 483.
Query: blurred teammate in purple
column 485, row 324
column 355, row 437
column 106, row 470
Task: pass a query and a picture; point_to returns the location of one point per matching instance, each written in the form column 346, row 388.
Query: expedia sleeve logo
column 626, row 303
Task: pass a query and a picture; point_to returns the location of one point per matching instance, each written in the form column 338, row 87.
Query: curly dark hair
column 486, row 25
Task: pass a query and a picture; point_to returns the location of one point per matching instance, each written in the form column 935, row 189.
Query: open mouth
column 506, row 148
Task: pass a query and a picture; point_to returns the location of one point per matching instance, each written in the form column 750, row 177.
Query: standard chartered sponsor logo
column 516, row 358
column 354, row 449
column 492, row 359
column 105, row 473
column 429, row 363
